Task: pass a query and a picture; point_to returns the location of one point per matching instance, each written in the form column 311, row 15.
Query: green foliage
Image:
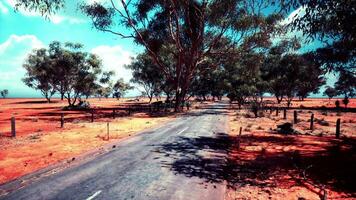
column 120, row 88
column 40, row 73
column 146, row 74
column 290, row 74
column 346, row 84
column 45, row 7
column 330, row 92
column 189, row 32
column 4, row 93
column 67, row 70
column 345, row 101
column 336, row 31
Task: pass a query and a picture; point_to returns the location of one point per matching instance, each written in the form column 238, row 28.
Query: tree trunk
column 150, row 97
column 167, row 97
column 279, row 99
column 177, row 107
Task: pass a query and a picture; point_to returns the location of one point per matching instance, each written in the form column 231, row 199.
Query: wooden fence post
column 295, row 117
column 277, row 111
column 107, row 132
column 62, row 120
column 92, row 116
column 338, row 128
column 312, row 122
column 239, row 138
column 285, row 113
column 13, row 127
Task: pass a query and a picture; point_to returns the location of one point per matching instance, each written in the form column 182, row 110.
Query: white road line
column 94, row 195
column 180, row 132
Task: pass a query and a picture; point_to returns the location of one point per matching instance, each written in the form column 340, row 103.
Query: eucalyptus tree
column 40, row 73
column 78, row 71
column 104, row 87
column 330, row 92
column 64, row 69
column 331, row 22
column 274, row 71
column 310, row 77
column 146, row 74
column 346, row 84
column 193, row 27
column 120, row 88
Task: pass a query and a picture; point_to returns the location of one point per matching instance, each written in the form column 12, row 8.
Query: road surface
column 183, row 159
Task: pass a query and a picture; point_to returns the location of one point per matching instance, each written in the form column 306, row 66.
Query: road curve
column 179, row 160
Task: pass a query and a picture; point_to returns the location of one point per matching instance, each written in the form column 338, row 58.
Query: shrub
column 345, row 101
column 322, row 122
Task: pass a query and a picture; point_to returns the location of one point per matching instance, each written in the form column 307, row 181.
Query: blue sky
column 22, row 31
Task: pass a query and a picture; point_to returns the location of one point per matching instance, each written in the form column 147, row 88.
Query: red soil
column 41, row 142
column 267, row 165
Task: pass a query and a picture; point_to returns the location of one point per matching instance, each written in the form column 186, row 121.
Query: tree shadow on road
column 217, row 159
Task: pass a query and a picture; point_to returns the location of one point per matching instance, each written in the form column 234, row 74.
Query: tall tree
column 146, row 74
column 40, row 73
column 68, row 70
column 274, row 71
column 194, row 28
column 311, row 77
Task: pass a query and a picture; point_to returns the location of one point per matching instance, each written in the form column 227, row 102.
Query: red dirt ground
column 267, row 165
column 41, row 142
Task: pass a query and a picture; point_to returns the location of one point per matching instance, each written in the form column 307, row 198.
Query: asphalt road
column 182, row 159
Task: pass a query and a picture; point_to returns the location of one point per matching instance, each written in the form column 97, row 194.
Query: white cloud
column 30, row 41
column 13, row 52
column 56, row 19
column 114, row 58
column 299, row 12
column 290, row 33
column 3, row 8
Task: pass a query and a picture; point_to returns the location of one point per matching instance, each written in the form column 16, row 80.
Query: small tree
column 346, row 84
column 330, row 92
column 345, row 101
column 120, row 88
column 337, row 104
column 4, row 93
